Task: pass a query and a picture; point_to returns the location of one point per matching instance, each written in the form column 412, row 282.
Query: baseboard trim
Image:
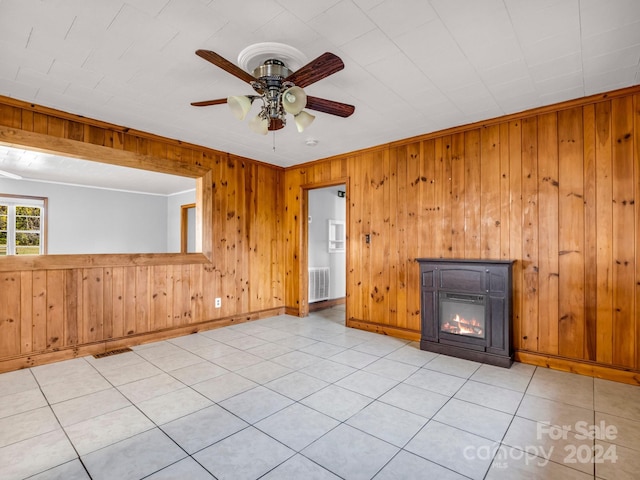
column 41, row 358
column 390, row 330
column 327, row 304
column 590, row 369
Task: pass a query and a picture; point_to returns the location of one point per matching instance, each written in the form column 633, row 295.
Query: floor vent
column 112, row 352
column 318, row 284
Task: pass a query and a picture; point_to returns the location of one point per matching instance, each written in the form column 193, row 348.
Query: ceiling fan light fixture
column 303, row 120
column 259, row 124
column 294, row 100
column 278, row 86
column 239, row 105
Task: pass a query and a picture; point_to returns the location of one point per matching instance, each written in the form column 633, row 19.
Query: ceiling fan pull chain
column 274, row 140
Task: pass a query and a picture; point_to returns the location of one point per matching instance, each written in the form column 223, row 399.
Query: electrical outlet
column 218, row 302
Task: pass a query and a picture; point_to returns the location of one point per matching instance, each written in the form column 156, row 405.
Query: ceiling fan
column 280, row 90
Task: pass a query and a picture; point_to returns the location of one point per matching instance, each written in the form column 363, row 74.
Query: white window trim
column 13, row 201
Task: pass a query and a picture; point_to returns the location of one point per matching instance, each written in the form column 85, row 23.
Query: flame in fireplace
column 462, row 326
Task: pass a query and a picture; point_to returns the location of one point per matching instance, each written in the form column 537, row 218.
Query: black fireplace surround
column 466, row 309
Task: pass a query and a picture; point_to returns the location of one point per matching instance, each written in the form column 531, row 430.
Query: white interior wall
column 90, row 220
column 174, row 204
column 324, row 204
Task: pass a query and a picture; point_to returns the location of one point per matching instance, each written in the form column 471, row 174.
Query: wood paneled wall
column 62, row 306
column 555, row 189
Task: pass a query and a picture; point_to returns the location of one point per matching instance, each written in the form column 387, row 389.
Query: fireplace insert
column 462, row 314
column 466, row 309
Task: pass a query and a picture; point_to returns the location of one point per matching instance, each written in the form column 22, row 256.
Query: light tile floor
column 292, row 398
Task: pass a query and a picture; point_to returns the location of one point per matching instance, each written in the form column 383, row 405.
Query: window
column 22, row 222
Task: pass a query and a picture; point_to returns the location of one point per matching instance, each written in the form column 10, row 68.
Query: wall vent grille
column 318, row 284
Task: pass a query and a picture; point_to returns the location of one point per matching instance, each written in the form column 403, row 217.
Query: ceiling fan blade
column 329, row 106
column 206, row 103
column 323, row 66
column 225, row 64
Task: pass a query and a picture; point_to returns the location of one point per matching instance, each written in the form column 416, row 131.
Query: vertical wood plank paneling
column 530, row 223
column 158, row 313
column 430, row 213
column 402, row 241
column 354, row 245
column 457, row 198
column 414, row 180
column 242, row 250
column 515, row 226
column 181, row 296
column 590, row 233
column 412, row 160
column 636, row 203
column 107, row 302
column 380, row 234
column 117, row 302
column 142, row 299
column 490, row 193
column 394, row 264
column 276, row 259
column 220, row 240
column 10, row 322
column 446, row 244
column 230, row 242
column 72, row 307
column 256, row 221
column 195, row 288
column 472, row 190
column 604, row 233
column 505, row 191
column 209, row 293
column 185, row 300
column 13, row 117
column 25, row 310
column 367, row 211
column 129, row 304
column 39, row 311
column 24, row 120
column 548, row 232
column 264, row 235
column 623, row 233
column 437, row 211
column 55, row 309
column 92, row 303
column 40, row 123
column 571, row 233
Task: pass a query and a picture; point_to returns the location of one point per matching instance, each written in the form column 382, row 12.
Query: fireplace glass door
column 462, row 314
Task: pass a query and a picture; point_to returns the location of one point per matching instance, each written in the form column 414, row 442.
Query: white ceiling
column 411, row 66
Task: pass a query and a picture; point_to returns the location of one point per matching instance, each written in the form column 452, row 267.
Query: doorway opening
column 188, row 228
column 327, row 251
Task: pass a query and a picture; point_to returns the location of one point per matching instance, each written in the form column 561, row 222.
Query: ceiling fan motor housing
column 271, row 75
column 272, row 69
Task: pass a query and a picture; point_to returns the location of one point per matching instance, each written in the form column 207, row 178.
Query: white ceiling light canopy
column 277, row 85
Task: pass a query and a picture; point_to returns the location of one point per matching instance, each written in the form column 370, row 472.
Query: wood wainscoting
column 59, row 306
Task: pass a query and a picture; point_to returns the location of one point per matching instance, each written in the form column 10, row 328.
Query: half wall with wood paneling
column 554, row 189
column 60, row 306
